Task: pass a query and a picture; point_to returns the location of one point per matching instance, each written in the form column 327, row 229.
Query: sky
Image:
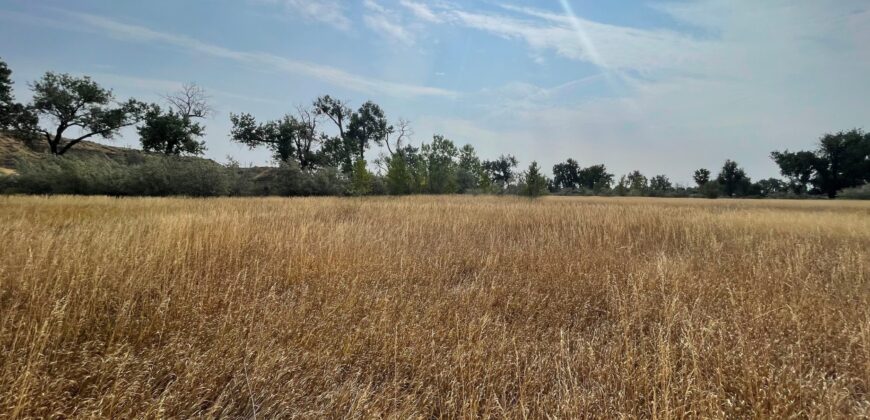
column 664, row 87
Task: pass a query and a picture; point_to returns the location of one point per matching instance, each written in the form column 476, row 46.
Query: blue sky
column 659, row 86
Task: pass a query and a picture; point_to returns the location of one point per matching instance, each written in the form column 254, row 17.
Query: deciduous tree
column 80, row 103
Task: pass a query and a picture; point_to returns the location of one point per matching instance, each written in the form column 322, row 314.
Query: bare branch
column 191, row 101
column 403, row 132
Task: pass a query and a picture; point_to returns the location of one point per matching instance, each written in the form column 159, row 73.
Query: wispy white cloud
column 575, row 38
column 386, row 22
column 421, row 11
column 330, row 12
column 332, row 75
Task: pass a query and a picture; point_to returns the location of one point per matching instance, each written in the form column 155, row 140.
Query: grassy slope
column 12, row 150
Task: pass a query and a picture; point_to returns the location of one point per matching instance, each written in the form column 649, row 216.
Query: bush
column 156, row 176
column 55, row 175
column 711, row 189
column 171, row 175
column 856, row 193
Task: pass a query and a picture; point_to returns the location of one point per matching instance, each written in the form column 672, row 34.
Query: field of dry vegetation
column 434, row 307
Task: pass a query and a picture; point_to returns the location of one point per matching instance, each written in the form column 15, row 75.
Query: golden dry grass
column 433, row 307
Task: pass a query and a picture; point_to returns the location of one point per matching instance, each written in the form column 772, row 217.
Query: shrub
column 171, row 175
column 856, row 193
column 711, row 190
column 55, row 175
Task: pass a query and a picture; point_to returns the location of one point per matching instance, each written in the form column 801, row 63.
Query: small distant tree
column 337, row 150
column 701, row 177
column 798, row 167
column 733, row 179
column 13, row 115
column 637, row 183
column 766, row 187
column 368, row 125
column 501, row 170
column 470, row 175
column 595, row 178
column 278, row 135
column 399, row 178
column 660, row 184
column 535, row 184
column 711, row 190
column 6, row 96
column 80, row 103
column 622, row 186
column 361, row 179
column 356, row 130
column 566, row 175
column 842, row 160
column 440, row 158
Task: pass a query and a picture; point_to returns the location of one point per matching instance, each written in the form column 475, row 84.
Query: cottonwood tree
column 173, row 131
column 766, row 187
column 701, row 177
column 660, row 184
column 368, row 125
column 170, row 133
column 289, row 138
column 277, row 136
column 733, row 179
column 798, row 167
column 13, row 115
column 398, row 134
column 842, row 160
column 501, row 170
column 441, row 167
column 469, row 174
column 566, row 175
column 190, row 101
column 337, row 150
column 356, row 130
column 595, row 178
column 80, row 103
column 637, row 182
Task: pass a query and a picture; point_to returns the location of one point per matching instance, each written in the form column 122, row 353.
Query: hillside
column 13, row 149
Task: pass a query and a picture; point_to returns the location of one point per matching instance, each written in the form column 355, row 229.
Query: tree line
column 327, row 140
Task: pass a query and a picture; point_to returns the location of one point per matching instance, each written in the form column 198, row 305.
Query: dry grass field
column 434, row 307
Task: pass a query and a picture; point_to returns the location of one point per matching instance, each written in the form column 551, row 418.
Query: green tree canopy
column 170, row 133
column 733, row 179
column 80, row 103
column 534, row 183
column 701, row 177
